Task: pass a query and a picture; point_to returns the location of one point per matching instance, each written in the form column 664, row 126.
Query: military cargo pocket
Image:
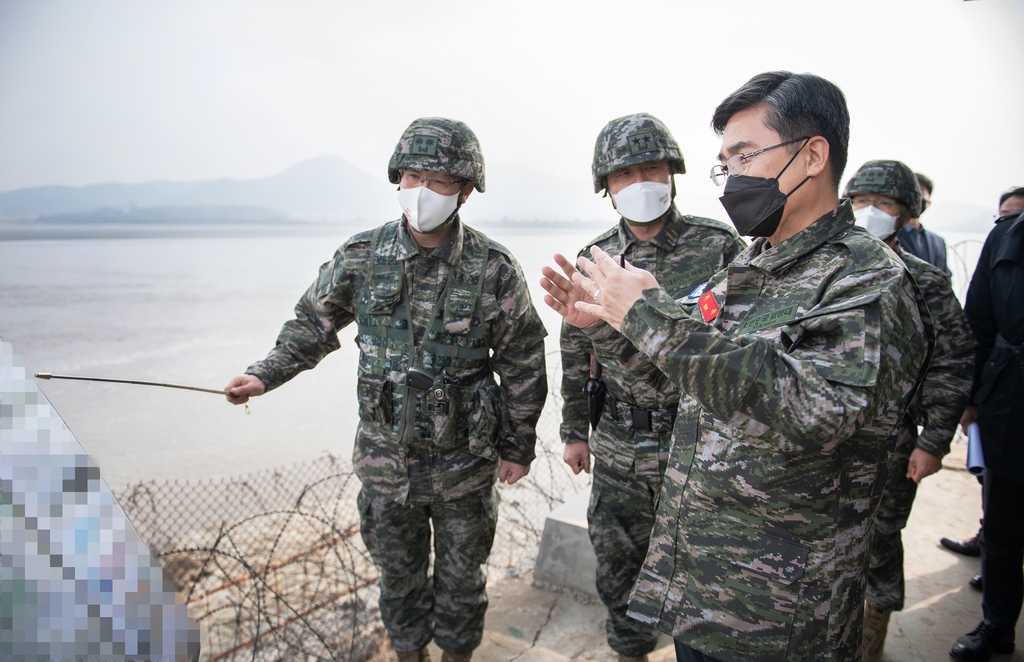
column 485, row 422
column 843, row 338
column 375, row 400
column 325, row 280
column 441, row 405
column 749, row 575
column 458, row 315
column 385, row 291
column 594, row 502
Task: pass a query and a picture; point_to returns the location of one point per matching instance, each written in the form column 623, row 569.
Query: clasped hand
column 607, row 294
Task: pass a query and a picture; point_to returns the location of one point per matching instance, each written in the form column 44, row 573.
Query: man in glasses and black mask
column 797, row 362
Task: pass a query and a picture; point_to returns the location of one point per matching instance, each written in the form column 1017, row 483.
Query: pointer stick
column 46, row 375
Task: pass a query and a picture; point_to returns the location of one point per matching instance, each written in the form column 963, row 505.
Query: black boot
column 977, row 582
column 970, row 547
column 982, row 643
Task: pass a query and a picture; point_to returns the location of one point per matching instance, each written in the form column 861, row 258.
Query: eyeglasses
column 890, row 207
column 737, row 163
column 413, row 179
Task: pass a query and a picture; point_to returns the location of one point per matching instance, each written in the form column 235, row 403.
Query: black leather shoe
column 977, row 582
column 970, row 547
column 982, row 643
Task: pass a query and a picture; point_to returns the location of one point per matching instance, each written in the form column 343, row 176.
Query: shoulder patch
column 697, row 291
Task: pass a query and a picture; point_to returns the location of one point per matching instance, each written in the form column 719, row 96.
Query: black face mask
column 755, row 204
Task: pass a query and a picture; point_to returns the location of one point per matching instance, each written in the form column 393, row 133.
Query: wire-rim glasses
column 737, row 163
column 442, row 186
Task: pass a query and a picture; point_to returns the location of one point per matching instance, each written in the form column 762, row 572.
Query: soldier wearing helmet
column 440, row 309
column 635, row 160
column 885, row 195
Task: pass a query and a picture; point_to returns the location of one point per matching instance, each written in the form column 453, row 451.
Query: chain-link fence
column 272, row 565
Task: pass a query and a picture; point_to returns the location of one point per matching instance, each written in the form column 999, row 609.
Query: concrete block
column 566, row 558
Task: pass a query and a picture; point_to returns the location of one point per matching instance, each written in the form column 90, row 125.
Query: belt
column 1003, row 343
column 640, row 418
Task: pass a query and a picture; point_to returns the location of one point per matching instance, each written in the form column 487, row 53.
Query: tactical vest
column 463, row 404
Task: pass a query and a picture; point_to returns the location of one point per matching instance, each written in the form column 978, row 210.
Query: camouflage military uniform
column 630, row 457
column 435, row 461
column 940, row 402
column 794, row 392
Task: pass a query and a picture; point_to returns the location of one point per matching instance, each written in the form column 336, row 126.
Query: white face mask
column 643, row 202
column 876, row 221
column 426, row 210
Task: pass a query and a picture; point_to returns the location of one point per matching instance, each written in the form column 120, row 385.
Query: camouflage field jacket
column 490, row 327
column 794, row 386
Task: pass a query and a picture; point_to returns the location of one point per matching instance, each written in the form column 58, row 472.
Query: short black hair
column 798, row 105
column 925, row 182
column 1010, row 194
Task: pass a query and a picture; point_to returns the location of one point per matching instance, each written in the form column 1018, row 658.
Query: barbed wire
column 962, row 267
column 272, row 565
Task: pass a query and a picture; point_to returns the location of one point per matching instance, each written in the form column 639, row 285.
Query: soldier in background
column 635, row 160
column 917, row 241
column 441, row 309
column 884, row 195
column 797, row 364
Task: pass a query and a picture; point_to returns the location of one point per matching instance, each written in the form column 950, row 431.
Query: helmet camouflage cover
column 890, row 178
column 631, row 140
column 441, row 145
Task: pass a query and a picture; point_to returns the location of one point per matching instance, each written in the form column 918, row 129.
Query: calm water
column 194, row 310
column 170, row 307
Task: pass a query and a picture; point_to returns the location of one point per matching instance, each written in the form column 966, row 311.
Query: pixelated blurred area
column 271, row 565
column 78, row 582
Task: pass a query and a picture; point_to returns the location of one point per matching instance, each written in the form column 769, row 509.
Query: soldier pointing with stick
column 796, row 363
column 441, row 310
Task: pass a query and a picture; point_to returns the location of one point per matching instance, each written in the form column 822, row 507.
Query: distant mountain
column 326, row 188
column 323, row 188
column 210, row 214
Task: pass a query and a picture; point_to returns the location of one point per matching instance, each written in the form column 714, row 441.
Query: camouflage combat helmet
column 890, row 178
column 632, row 140
column 441, row 145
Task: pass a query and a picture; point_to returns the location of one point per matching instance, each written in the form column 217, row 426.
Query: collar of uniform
column 665, row 239
column 448, row 251
column 777, row 258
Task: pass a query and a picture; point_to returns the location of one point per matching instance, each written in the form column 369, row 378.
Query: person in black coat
column 995, row 311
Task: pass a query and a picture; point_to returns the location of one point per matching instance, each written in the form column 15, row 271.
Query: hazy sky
column 103, row 91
